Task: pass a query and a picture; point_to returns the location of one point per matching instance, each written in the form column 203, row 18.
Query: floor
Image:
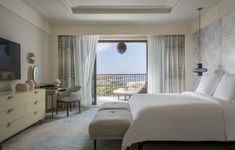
column 71, row 133
column 104, row 99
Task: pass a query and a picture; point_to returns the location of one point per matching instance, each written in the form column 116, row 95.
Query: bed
column 189, row 116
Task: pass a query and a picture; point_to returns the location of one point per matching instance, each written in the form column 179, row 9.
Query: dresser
column 19, row 110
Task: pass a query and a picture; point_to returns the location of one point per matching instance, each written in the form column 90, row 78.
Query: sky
column 133, row 61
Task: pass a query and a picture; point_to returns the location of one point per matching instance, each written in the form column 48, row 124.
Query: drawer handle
column 10, row 97
column 8, row 125
column 35, row 102
column 35, row 113
column 10, row 110
column 36, row 92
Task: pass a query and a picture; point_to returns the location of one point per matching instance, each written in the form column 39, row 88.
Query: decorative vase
column 22, row 87
column 31, row 84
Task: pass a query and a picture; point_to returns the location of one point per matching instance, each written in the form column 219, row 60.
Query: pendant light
column 199, row 70
column 121, row 47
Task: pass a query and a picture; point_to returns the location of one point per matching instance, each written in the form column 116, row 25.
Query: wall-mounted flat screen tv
column 9, row 60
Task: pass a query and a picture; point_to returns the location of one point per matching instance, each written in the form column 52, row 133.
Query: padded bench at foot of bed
column 109, row 125
column 115, row 106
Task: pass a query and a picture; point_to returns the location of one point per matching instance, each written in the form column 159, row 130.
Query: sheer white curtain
column 76, row 63
column 154, row 64
column 166, row 64
column 84, row 56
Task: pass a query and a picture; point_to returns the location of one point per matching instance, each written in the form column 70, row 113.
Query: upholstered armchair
column 72, row 95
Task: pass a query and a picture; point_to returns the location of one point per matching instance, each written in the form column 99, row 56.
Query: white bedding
column 179, row 117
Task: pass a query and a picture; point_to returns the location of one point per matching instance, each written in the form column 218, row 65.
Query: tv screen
column 9, row 60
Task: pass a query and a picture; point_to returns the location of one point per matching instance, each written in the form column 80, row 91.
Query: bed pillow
column 226, row 87
column 208, row 84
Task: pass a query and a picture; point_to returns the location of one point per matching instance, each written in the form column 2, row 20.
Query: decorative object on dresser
column 31, row 84
column 19, row 110
column 22, row 87
column 36, row 75
column 30, row 73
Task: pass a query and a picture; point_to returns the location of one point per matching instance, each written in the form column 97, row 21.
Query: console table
column 52, row 92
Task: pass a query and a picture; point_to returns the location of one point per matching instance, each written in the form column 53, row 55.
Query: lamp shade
column 199, row 70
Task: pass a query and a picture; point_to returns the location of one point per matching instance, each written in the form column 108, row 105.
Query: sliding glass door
column 117, row 68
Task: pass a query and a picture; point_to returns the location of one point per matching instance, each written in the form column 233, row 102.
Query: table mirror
column 36, row 74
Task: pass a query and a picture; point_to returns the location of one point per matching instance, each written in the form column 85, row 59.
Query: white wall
column 214, row 13
column 124, row 29
column 23, row 9
column 32, row 39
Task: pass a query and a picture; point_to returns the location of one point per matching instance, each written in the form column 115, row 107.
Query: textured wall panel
column 217, row 46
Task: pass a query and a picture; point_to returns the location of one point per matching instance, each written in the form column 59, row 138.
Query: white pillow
column 208, row 84
column 226, row 87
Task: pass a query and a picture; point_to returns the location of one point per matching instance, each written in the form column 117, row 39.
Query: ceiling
column 59, row 11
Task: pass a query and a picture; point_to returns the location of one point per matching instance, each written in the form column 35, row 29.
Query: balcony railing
column 106, row 83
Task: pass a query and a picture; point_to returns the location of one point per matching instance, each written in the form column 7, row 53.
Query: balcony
column 106, row 83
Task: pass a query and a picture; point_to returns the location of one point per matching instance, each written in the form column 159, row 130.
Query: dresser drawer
column 12, row 101
column 39, row 94
column 11, row 128
column 35, row 106
column 35, row 95
column 11, row 114
column 34, row 117
column 2, row 119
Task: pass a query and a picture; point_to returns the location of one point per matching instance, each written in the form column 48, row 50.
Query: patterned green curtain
column 173, row 63
column 166, row 64
column 66, row 47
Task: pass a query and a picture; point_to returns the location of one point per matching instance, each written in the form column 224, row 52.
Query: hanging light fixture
column 199, row 70
column 121, row 47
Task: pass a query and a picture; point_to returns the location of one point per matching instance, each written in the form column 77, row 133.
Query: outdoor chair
column 129, row 91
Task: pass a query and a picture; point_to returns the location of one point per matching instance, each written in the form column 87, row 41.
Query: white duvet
column 177, row 117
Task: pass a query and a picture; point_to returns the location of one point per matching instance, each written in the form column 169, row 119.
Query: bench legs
column 95, row 144
column 140, row 146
